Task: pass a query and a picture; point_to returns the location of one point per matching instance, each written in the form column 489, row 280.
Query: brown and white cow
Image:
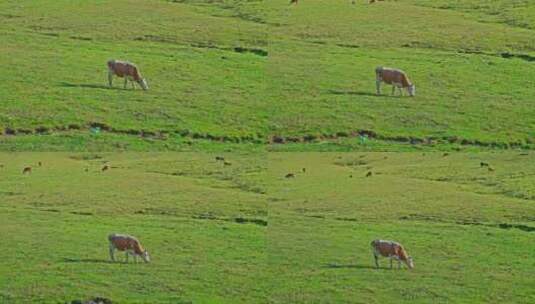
column 127, row 70
column 397, row 78
column 129, row 244
column 391, row 250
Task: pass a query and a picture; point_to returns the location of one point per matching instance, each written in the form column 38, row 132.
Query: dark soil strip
column 368, row 134
column 437, row 219
column 158, row 135
column 239, row 220
column 274, row 139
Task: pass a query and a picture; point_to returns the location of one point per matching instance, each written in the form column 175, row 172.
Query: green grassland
column 249, row 72
column 203, row 223
column 243, row 233
column 469, row 230
column 256, row 81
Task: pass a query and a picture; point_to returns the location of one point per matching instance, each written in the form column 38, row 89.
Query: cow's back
column 392, row 76
column 386, row 248
column 123, row 68
column 122, row 242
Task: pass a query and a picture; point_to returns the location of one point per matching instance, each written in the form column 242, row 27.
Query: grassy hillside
column 244, row 233
column 203, row 223
column 468, row 229
column 256, row 72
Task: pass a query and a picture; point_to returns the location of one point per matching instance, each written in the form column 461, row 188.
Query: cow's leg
column 135, row 258
column 390, row 262
column 125, row 81
column 400, row 91
column 378, row 86
column 133, row 85
column 376, row 260
column 399, row 264
column 393, row 89
column 110, row 78
column 126, row 253
column 112, row 251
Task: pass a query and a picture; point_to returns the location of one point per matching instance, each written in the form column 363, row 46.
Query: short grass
column 245, row 72
column 243, row 233
column 468, row 229
column 202, row 221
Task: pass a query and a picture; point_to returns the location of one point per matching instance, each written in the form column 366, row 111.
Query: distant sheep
column 127, row 70
column 397, row 78
column 129, row 244
column 391, row 250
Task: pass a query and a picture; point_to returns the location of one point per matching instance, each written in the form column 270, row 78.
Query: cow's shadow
column 354, row 266
column 90, row 86
column 71, row 260
column 358, row 93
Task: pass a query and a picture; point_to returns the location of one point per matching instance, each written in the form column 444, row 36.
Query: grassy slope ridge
column 210, row 79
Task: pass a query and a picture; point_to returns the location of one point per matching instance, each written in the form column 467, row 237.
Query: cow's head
column 146, row 256
column 143, row 83
column 412, row 90
column 410, row 262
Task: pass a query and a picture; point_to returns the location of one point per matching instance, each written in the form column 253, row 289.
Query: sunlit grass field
column 316, row 165
column 258, row 72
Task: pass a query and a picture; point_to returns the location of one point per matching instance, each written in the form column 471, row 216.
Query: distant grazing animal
column 221, row 158
column 391, row 250
column 397, row 78
column 227, row 163
column 27, row 170
column 293, row 1
column 491, row 169
column 127, row 70
column 483, row 164
column 129, row 244
column 445, row 154
column 369, row 174
column 290, row 175
column 304, row 170
column 40, row 164
column 106, row 167
column 373, row 1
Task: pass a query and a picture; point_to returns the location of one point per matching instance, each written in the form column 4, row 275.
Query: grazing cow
column 127, row 70
column 226, row 163
column 290, row 175
column 219, row 158
column 27, row 170
column 391, row 250
column 304, row 170
column 40, row 164
column 369, row 174
column 293, row 1
column 106, row 167
column 397, row 78
column 129, row 244
column 483, row 164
